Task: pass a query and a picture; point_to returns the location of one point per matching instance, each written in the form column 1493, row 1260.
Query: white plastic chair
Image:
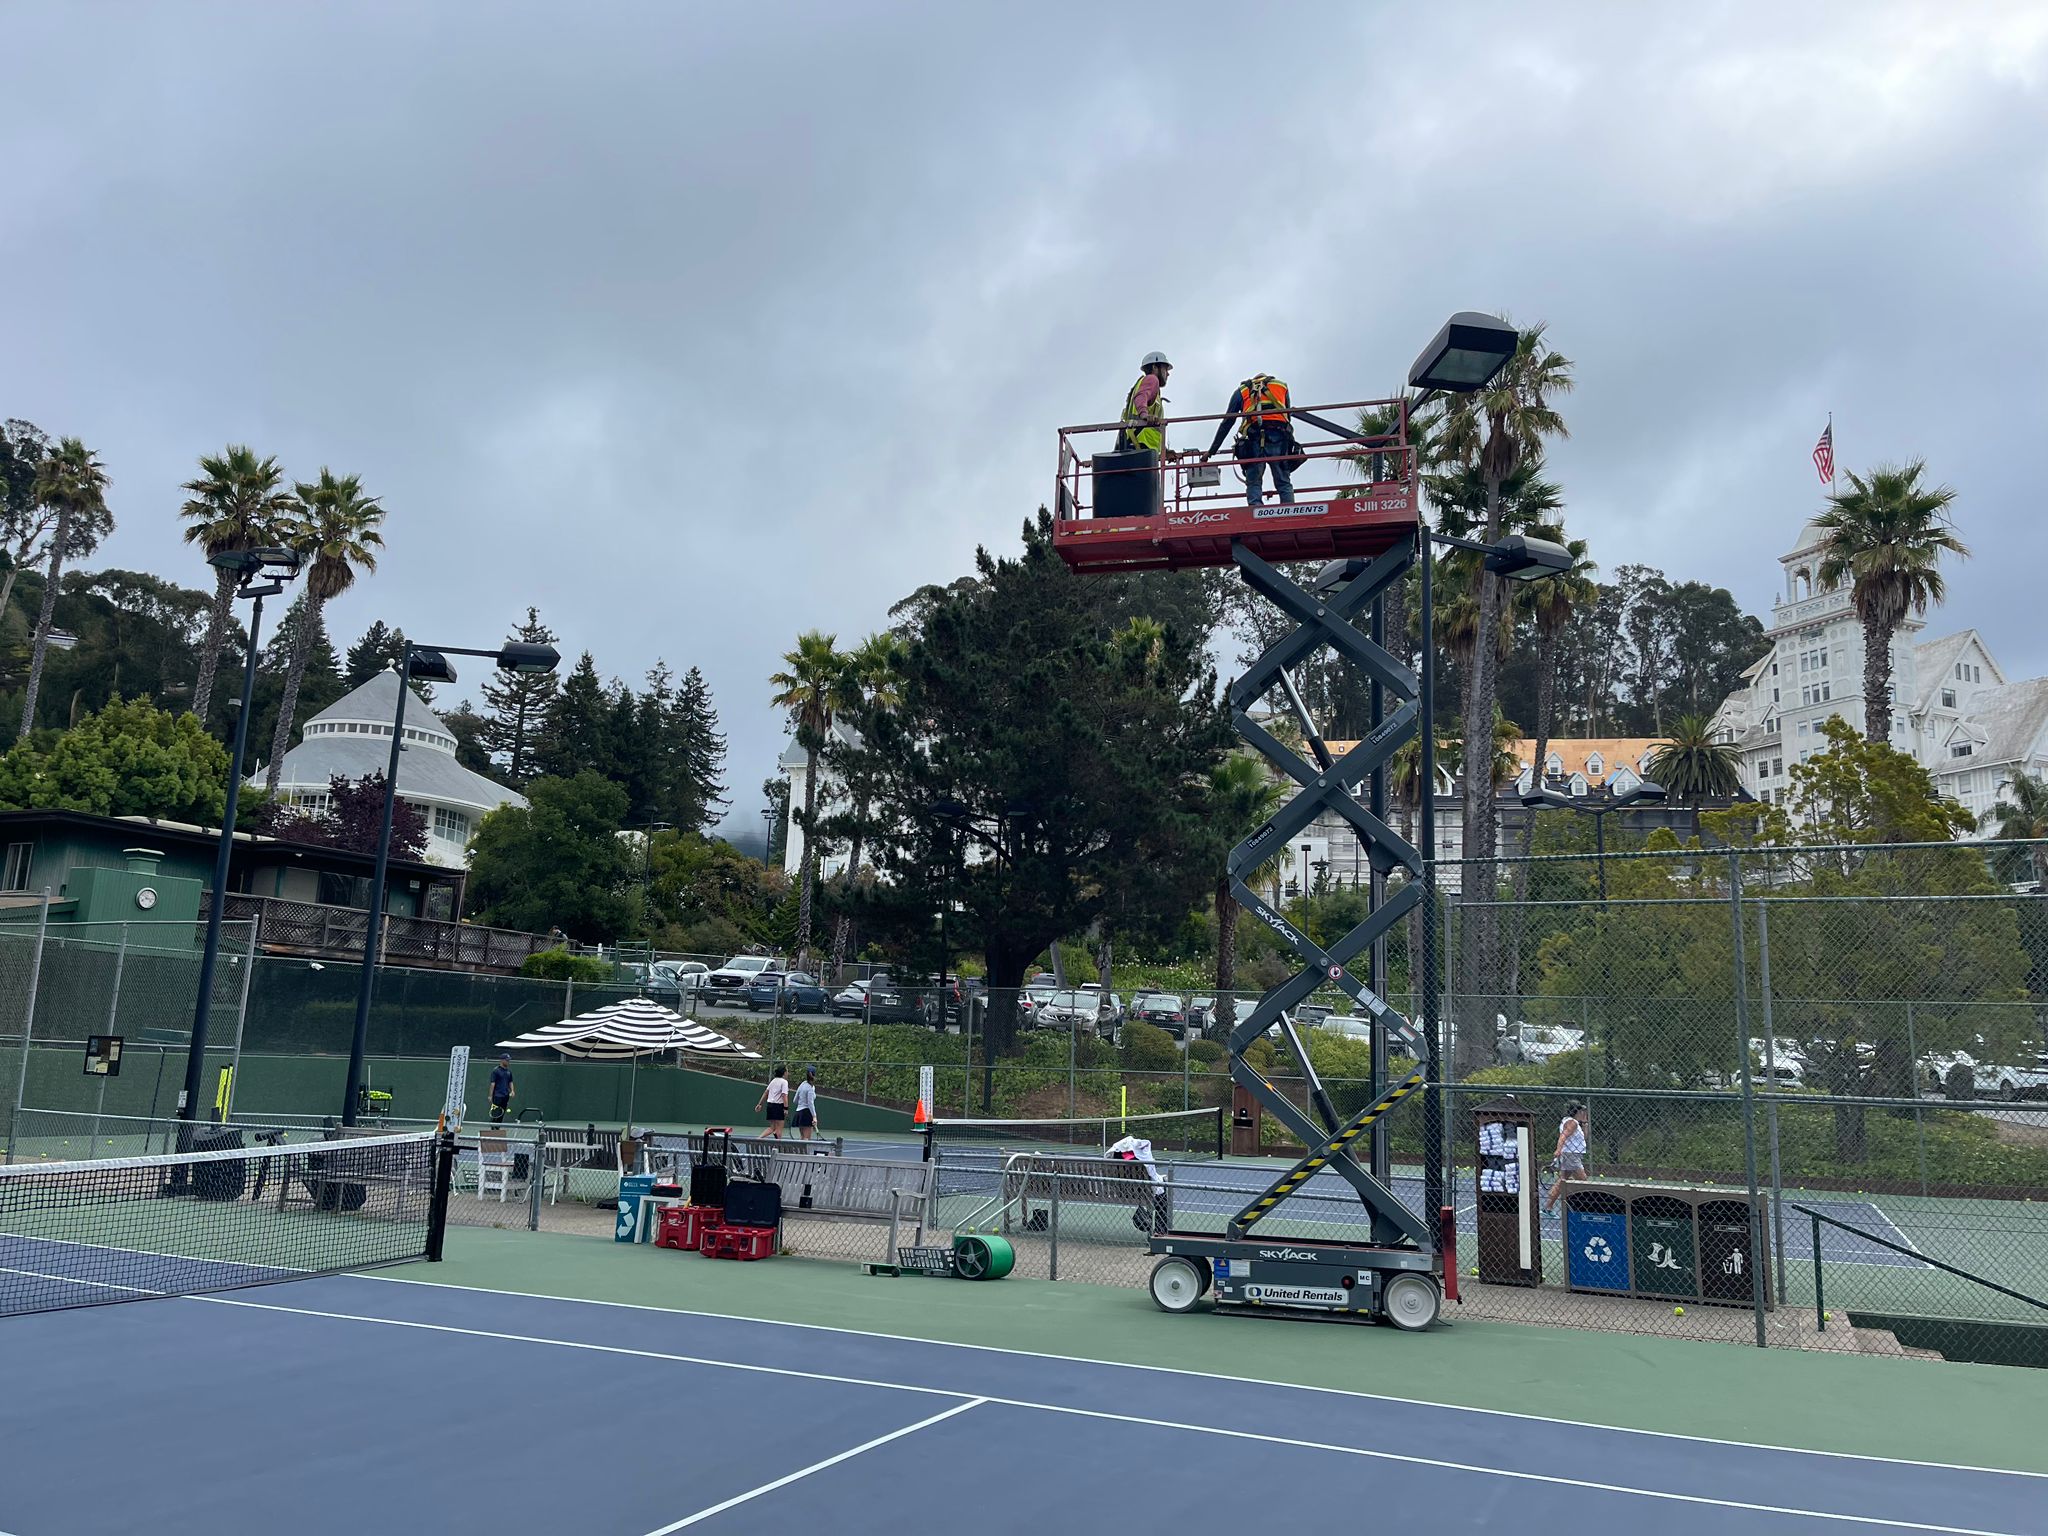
column 493, row 1167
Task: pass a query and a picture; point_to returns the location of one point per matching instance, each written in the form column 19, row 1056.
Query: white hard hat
column 1152, row 358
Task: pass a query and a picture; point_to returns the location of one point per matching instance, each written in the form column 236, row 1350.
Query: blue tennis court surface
column 351, row 1404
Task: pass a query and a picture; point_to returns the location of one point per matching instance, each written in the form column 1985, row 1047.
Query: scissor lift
column 1371, row 534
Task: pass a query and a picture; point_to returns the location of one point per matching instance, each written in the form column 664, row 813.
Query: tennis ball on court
column 1678, row 1311
column 1827, row 1317
column 1475, row 1270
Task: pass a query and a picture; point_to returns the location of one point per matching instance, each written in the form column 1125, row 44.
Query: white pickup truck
column 2012, row 1083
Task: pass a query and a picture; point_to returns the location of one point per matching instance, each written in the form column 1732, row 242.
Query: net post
column 437, row 1205
column 1219, row 1133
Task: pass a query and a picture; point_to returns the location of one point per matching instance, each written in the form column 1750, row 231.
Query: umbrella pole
column 632, row 1091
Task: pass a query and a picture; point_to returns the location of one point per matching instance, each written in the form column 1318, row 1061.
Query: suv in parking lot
column 731, row 982
column 1164, row 1010
column 1080, row 1012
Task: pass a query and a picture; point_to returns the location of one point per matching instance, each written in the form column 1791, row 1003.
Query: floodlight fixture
column 1465, row 355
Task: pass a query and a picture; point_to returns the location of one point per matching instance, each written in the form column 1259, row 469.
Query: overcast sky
column 697, row 326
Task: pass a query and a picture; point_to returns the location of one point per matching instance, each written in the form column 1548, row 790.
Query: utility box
column 1508, row 1195
column 1245, row 1122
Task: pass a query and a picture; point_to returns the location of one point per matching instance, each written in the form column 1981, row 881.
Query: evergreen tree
column 699, row 787
column 517, row 705
column 577, row 733
column 469, row 730
column 370, row 655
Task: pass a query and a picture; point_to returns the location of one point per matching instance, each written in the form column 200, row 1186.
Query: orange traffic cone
column 918, row 1116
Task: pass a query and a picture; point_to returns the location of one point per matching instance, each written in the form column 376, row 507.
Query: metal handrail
column 1819, row 1290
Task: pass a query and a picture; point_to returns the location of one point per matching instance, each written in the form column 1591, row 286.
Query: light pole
column 259, row 573
column 1518, row 558
column 431, row 663
column 1542, row 797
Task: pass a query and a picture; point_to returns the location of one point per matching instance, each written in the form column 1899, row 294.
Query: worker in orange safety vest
column 1265, row 437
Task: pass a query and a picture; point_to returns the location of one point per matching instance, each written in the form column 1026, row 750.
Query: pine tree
column 517, row 706
column 370, row 655
column 699, row 794
column 577, row 733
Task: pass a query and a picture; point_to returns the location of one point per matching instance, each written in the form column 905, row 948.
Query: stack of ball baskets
column 724, row 1219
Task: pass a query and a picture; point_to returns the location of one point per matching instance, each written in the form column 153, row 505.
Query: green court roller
column 977, row 1256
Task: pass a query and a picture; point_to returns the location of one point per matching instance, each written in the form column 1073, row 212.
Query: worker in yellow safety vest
column 1265, row 437
column 1144, row 418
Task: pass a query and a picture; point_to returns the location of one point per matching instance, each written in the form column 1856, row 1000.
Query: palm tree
column 1492, row 432
column 2024, row 818
column 238, row 502
column 71, row 482
column 814, row 690
column 334, row 526
column 1692, row 765
column 1242, row 798
column 872, row 683
column 1552, row 604
column 1886, row 535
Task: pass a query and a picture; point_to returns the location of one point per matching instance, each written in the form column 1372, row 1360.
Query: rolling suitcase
column 708, row 1179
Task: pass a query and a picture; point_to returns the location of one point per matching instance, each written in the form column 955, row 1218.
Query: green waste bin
column 1663, row 1248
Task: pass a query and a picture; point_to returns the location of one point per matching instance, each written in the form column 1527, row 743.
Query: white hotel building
column 1953, row 708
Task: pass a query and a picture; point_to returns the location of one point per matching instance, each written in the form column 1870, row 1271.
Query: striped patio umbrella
column 627, row 1031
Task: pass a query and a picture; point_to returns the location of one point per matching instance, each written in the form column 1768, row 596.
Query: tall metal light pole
column 431, row 663
column 260, row 573
column 1519, row 559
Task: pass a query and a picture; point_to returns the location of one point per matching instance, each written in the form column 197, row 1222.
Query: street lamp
column 1465, row 355
column 258, row 573
column 1542, row 797
column 430, row 664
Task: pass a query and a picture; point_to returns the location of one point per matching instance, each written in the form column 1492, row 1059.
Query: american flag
column 1824, row 454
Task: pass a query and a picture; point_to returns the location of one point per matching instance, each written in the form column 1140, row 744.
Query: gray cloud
column 698, row 327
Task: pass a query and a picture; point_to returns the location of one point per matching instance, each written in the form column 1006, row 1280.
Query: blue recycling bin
column 1596, row 1241
column 633, row 1188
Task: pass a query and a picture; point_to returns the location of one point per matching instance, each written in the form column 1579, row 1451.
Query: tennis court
column 331, row 1404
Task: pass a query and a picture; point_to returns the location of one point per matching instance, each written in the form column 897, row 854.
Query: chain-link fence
column 1831, row 1060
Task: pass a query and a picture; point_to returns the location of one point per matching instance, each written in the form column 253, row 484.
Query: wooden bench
column 1096, row 1180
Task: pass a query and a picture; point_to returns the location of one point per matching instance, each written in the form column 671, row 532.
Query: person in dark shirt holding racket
column 501, row 1089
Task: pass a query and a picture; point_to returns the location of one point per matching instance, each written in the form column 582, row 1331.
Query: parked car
column 786, row 992
column 2014, row 1083
column 676, row 982
column 1200, row 1011
column 1165, row 1010
column 1537, row 1043
column 877, row 1001
column 1082, row 1012
column 1346, row 1025
column 1112, row 1005
column 653, row 983
column 731, row 981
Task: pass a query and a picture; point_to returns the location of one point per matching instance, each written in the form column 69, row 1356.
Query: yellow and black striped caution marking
column 1306, row 1169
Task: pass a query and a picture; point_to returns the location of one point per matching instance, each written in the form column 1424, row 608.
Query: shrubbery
column 561, row 965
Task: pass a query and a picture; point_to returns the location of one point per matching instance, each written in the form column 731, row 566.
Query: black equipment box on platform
column 1126, row 484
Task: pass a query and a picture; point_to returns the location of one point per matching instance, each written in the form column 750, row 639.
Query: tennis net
column 128, row 1229
column 971, row 1152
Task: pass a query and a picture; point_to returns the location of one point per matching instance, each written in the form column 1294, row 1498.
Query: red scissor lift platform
column 1354, row 495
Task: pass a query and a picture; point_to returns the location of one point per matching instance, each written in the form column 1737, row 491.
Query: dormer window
column 1578, row 784
column 1553, row 764
column 1594, row 763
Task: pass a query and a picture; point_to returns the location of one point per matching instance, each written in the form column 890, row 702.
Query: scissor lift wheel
column 1178, row 1283
column 1410, row 1301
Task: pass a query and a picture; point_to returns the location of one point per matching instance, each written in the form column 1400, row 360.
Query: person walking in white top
column 775, row 1099
column 1570, row 1155
column 806, row 1104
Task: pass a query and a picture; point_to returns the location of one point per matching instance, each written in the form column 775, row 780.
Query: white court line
column 969, row 1399
column 1176, row 1370
column 103, row 1285
column 816, row 1466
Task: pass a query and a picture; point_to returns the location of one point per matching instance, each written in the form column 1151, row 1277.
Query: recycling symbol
column 1597, row 1250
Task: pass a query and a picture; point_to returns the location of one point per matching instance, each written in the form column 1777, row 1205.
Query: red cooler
column 684, row 1226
